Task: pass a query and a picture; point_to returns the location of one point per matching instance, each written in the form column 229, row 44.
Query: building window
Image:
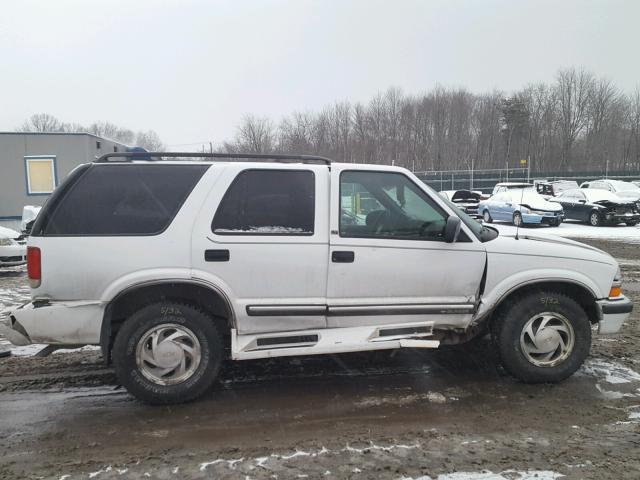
column 115, row 149
column 98, row 145
column 41, row 175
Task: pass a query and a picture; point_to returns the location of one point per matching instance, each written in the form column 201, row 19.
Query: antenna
column 521, row 219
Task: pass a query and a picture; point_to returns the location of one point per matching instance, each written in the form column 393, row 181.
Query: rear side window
column 268, row 202
column 120, row 200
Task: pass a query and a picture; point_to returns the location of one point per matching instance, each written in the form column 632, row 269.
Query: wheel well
column 580, row 294
column 133, row 299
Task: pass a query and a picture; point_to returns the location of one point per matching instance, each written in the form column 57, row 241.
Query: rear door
column 388, row 261
column 262, row 238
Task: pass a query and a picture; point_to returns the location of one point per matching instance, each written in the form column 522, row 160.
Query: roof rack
column 266, row 157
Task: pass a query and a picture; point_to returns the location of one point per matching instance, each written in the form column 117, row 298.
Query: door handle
column 342, row 257
column 216, row 255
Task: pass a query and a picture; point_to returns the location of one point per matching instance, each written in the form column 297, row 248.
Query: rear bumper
column 62, row 323
column 613, row 313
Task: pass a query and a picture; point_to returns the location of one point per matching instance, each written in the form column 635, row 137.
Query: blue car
column 521, row 207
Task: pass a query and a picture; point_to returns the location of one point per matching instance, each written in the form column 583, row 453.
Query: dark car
column 465, row 200
column 555, row 187
column 597, row 207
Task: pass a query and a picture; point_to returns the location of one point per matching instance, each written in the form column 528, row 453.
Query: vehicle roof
column 513, row 184
column 274, row 164
column 595, row 194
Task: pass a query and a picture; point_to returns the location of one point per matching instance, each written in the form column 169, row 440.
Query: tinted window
column 120, row 200
column 268, row 202
column 387, row 205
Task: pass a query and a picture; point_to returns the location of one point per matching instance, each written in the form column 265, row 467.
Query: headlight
column 4, row 241
column 524, row 210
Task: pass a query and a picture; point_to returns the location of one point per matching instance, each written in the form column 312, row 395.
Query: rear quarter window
column 123, row 199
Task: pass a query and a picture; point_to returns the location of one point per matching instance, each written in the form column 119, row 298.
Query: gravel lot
column 405, row 414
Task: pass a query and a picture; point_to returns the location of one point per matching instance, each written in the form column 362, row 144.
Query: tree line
column 578, row 122
column 44, row 122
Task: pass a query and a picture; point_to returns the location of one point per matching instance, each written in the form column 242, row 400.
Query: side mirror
column 582, row 201
column 452, row 229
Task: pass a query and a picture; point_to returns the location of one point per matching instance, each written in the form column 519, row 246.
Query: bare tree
column 255, row 135
column 149, row 140
column 42, row 122
column 574, row 94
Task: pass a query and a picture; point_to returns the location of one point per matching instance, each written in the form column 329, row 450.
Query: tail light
column 34, row 266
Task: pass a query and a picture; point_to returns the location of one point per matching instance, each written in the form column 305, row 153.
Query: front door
column 388, row 260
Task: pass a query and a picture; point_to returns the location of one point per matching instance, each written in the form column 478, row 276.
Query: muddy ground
column 405, row 414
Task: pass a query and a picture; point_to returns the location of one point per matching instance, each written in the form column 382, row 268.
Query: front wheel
column 486, row 216
column 594, row 219
column 517, row 219
column 167, row 353
column 542, row 337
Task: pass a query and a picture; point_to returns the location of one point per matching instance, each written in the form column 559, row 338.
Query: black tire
column 486, row 216
column 510, row 322
column 631, row 224
column 187, row 317
column 595, row 220
column 517, row 219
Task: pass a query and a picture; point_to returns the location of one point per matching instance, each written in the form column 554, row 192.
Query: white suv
column 171, row 266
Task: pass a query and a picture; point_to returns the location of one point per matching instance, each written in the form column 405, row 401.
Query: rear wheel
column 167, row 353
column 542, row 337
column 594, row 219
column 486, row 216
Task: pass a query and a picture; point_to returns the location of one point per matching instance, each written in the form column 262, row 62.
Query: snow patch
column 613, row 373
column 488, row 475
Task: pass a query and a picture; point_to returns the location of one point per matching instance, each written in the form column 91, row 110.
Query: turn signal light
column 615, row 292
column 34, row 266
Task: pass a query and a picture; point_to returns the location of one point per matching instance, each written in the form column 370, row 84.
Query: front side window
column 387, row 205
column 268, row 202
column 41, row 175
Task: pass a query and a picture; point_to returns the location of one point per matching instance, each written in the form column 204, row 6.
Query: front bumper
column 613, row 313
column 13, row 255
column 546, row 219
column 622, row 217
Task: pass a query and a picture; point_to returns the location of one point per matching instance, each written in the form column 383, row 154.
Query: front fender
column 493, row 296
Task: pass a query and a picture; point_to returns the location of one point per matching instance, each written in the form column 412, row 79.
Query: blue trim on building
column 26, row 173
column 11, row 218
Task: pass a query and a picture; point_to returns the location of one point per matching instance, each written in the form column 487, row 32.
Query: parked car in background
column 13, row 251
column 598, row 207
column 504, row 186
column 465, row 200
column 522, row 206
column 622, row 189
column 555, row 187
column 29, row 214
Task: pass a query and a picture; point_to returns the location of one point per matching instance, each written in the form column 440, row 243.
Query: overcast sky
column 190, row 70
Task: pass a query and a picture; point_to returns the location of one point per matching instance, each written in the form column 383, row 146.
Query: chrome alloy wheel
column 547, row 339
column 168, row 354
